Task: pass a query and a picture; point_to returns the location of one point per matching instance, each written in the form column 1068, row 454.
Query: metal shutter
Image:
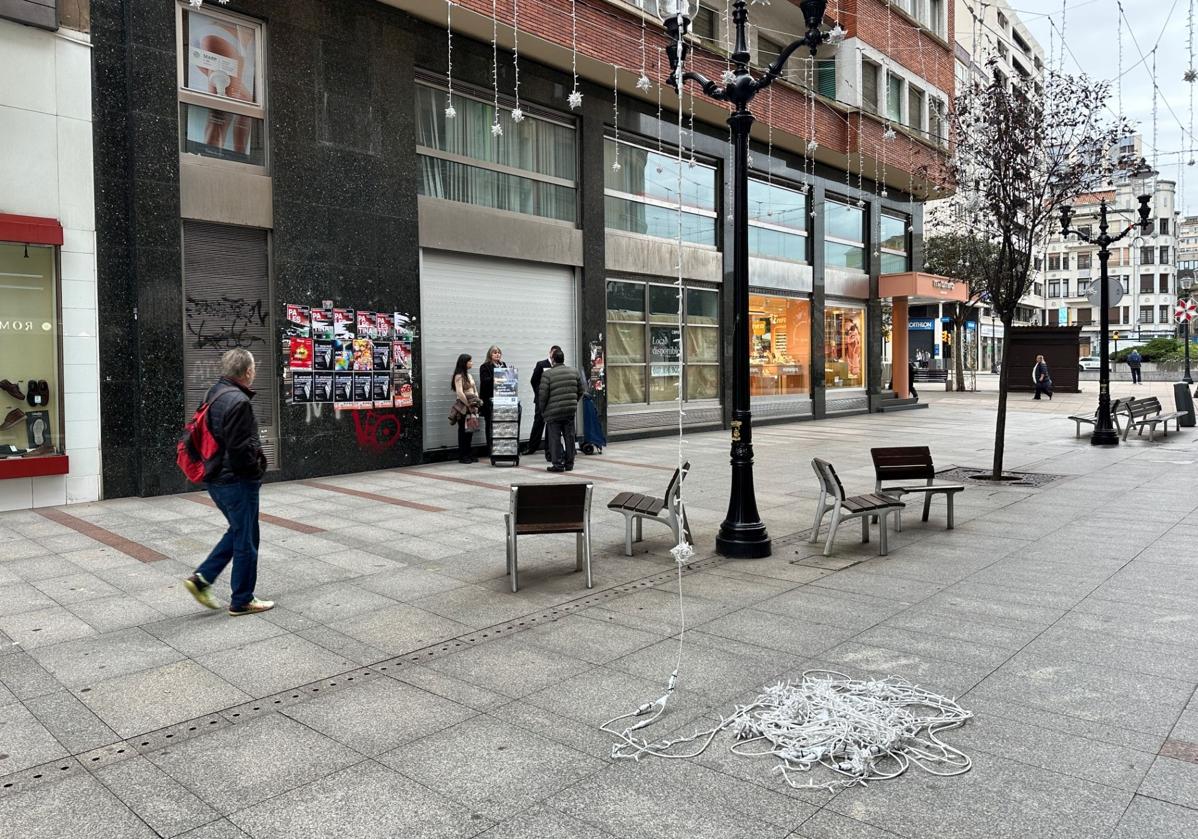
column 468, row 303
column 227, row 304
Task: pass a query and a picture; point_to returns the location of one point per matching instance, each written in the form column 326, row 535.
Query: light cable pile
column 860, row 730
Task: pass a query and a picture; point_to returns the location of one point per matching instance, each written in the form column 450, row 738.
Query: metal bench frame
column 579, row 522
column 913, row 462
column 1092, row 419
column 637, row 508
column 1137, row 412
column 862, row 507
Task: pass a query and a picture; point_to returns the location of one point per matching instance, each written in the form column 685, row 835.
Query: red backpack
column 198, row 445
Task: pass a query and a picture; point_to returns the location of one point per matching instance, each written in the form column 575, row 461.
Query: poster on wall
column 366, row 324
column 343, row 388
column 322, row 355
column 322, row 387
column 299, row 321
column 382, row 356
column 300, row 354
column 301, row 387
column 343, row 354
column 343, row 323
column 598, row 379
column 665, row 351
column 322, row 324
column 382, row 389
column 404, row 330
column 363, row 391
column 402, row 354
column 383, row 326
column 222, row 61
column 401, row 388
column 363, row 349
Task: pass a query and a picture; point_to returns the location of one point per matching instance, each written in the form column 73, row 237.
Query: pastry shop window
column 844, row 346
column 779, row 346
column 30, row 381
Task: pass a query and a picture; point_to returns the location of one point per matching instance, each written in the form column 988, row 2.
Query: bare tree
column 1023, row 150
column 963, row 257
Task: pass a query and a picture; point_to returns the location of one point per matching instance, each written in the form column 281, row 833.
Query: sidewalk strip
column 93, row 531
column 386, row 499
column 453, row 480
column 572, row 474
column 278, row 521
column 670, row 469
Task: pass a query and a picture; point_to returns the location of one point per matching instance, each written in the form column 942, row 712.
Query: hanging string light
column 517, row 112
column 615, row 115
column 575, row 98
column 450, row 112
column 643, row 82
column 496, row 127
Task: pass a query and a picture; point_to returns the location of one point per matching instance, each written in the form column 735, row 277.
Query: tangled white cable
column 861, row 730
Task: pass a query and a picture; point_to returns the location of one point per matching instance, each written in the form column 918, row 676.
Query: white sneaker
column 253, row 607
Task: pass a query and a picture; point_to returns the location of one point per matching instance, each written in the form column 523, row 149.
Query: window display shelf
column 34, row 467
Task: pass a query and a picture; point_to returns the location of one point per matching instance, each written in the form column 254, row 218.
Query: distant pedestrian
column 486, row 386
column 911, row 380
column 465, row 409
column 538, row 421
column 1041, row 378
column 234, row 480
column 1134, row 360
column 557, row 398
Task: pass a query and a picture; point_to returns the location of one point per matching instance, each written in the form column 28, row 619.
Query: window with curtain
column 1163, row 281
column 915, row 108
column 895, row 251
column 531, row 168
column 1147, row 255
column 1083, row 261
column 894, row 98
column 646, row 352
column 641, row 196
column 777, row 222
column 1145, row 284
column 1145, row 314
column 844, row 236
column 1163, row 313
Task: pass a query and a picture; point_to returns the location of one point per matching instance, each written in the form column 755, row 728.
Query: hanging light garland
column 574, row 100
column 496, row 128
column 517, row 112
column 615, row 116
column 450, row 112
column 643, row 82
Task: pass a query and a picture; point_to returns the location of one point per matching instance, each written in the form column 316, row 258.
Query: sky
column 1155, row 29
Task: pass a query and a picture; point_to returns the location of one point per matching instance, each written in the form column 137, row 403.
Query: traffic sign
column 1185, row 311
column 1114, row 292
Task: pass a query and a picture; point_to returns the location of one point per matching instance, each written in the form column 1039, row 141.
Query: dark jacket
column 1041, row 377
column 486, row 381
column 559, row 392
column 1134, row 359
column 231, row 418
column 539, row 371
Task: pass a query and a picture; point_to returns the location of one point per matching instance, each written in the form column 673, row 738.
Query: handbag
column 472, row 422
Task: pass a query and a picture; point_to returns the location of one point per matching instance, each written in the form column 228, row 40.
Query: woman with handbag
column 464, row 412
column 1041, row 378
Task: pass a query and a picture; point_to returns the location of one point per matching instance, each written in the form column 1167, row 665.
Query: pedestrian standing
column 465, row 407
column 486, row 387
column 1134, row 360
column 234, row 480
column 538, row 421
column 911, row 380
column 557, row 398
column 1041, row 378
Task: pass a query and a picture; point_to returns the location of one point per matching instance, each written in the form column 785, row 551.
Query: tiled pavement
column 401, row 690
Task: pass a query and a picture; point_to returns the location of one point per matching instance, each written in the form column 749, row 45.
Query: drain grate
column 27, row 779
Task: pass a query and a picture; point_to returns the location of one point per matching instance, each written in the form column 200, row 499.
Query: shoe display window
column 31, row 420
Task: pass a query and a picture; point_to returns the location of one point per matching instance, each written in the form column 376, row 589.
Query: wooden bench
column 1092, row 419
column 637, row 508
column 864, row 507
column 1147, row 413
column 911, row 463
column 550, row 508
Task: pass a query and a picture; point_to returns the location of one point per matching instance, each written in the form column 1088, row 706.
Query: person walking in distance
column 538, row 421
column 1134, row 360
column 1041, row 378
column 486, row 386
column 234, row 480
column 466, row 407
column 557, row 400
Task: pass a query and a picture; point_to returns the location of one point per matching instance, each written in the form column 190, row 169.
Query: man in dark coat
column 234, row 478
column 557, row 399
column 538, row 421
column 1134, row 360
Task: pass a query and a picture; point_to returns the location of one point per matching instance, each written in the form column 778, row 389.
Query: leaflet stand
column 505, row 418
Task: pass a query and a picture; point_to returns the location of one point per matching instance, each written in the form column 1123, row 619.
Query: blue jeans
column 239, row 502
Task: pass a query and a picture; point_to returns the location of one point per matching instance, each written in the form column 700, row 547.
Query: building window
column 1037, row 262
column 704, row 24
column 1065, row 287
column 1064, row 262
column 779, row 346
column 895, row 248
column 1164, row 227
column 1002, row 22
column 936, row 20
column 938, row 121
column 894, row 98
column 1126, row 315
column 768, row 51
column 1145, row 314
column 645, row 351
column 844, row 346
column 844, row 236
column 1163, row 313
column 1112, row 314
column 870, row 74
column 460, row 160
column 1083, row 287
column 825, row 77
column 915, row 108
column 1085, row 317
column 1145, row 284
column 1164, row 260
column 777, row 222
column 1054, row 262
column 1054, row 288
column 1038, row 289
column 642, row 195
column 222, row 107
column 1147, row 255
column 1084, row 230
column 1083, row 262
column 29, row 334
column 1163, row 283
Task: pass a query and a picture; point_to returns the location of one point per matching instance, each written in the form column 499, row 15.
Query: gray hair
column 236, row 363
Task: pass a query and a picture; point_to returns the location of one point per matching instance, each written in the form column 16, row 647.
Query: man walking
column 538, row 421
column 557, row 398
column 1134, row 359
column 234, row 478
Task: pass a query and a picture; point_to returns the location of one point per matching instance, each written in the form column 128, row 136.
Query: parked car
column 1089, row 362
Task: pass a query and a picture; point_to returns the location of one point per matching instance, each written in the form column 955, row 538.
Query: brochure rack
column 505, row 418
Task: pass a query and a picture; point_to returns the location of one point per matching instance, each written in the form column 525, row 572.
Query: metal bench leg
column 865, row 530
column 627, row 534
column 512, row 566
column 821, row 510
column 927, row 505
column 507, row 526
column 949, row 498
column 585, row 536
column 578, row 551
column 882, row 547
column 640, row 531
column 832, row 528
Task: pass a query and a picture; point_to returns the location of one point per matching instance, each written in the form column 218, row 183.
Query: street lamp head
column 667, row 9
column 1141, row 187
column 1066, row 219
column 676, row 16
column 813, row 12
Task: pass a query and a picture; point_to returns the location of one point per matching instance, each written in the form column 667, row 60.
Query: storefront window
column 844, row 236
column 641, row 194
column 646, row 351
column 777, row 222
column 844, row 347
column 31, row 398
column 779, row 346
column 895, row 253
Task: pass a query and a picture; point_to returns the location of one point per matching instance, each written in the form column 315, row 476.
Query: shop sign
column 16, row 326
column 667, row 370
column 921, row 325
column 944, row 285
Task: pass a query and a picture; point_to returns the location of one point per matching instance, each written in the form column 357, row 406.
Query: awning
column 918, row 287
column 30, row 230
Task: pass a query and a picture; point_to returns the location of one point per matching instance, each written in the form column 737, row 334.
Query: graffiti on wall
column 226, row 323
column 376, row 431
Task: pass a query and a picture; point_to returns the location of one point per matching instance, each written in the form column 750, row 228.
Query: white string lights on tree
column 450, row 111
column 574, row 100
column 517, row 112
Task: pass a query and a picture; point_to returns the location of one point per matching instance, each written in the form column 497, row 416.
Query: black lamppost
column 1187, row 286
column 1104, row 433
column 742, row 534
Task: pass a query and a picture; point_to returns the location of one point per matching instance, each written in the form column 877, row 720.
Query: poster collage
column 353, row 359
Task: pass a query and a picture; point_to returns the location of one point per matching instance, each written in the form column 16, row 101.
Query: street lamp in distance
column 1185, row 313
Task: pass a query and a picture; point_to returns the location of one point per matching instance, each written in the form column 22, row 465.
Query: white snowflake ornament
column 812, row 146
column 450, row 112
column 574, row 100
column 616, row 167
column 728, row 77
column 643, row 83
column 517, row 115
column 496, row 129
column 888, row 134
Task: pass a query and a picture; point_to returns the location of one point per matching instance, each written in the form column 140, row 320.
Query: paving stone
column 995, row 632
column 337, row 601
column 1150, row 819
column 70, row 721
column 335, row 642
column 360, row 802
column 106, row 614
column 973, row 653
column 543, row 822
column 509, row 666
column 779, row 632
column 153, row 699
column 24, row 741
column 219, row 829
column 38, row 568
column 831, row 607
column 829, row 825
column 75, row 587
column 24, row 677
column 44, row 627
column 22, row 597
column 209, row 631
column 89, row 660
column 589, row 640
column 279, row 663
column 78, row 806
column 442, row 684
column 242, row 765
column 1174, row 781
column 378, row 715
column 408, row 584
column 156, row 799
column 510, row 768
column 400, row 629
